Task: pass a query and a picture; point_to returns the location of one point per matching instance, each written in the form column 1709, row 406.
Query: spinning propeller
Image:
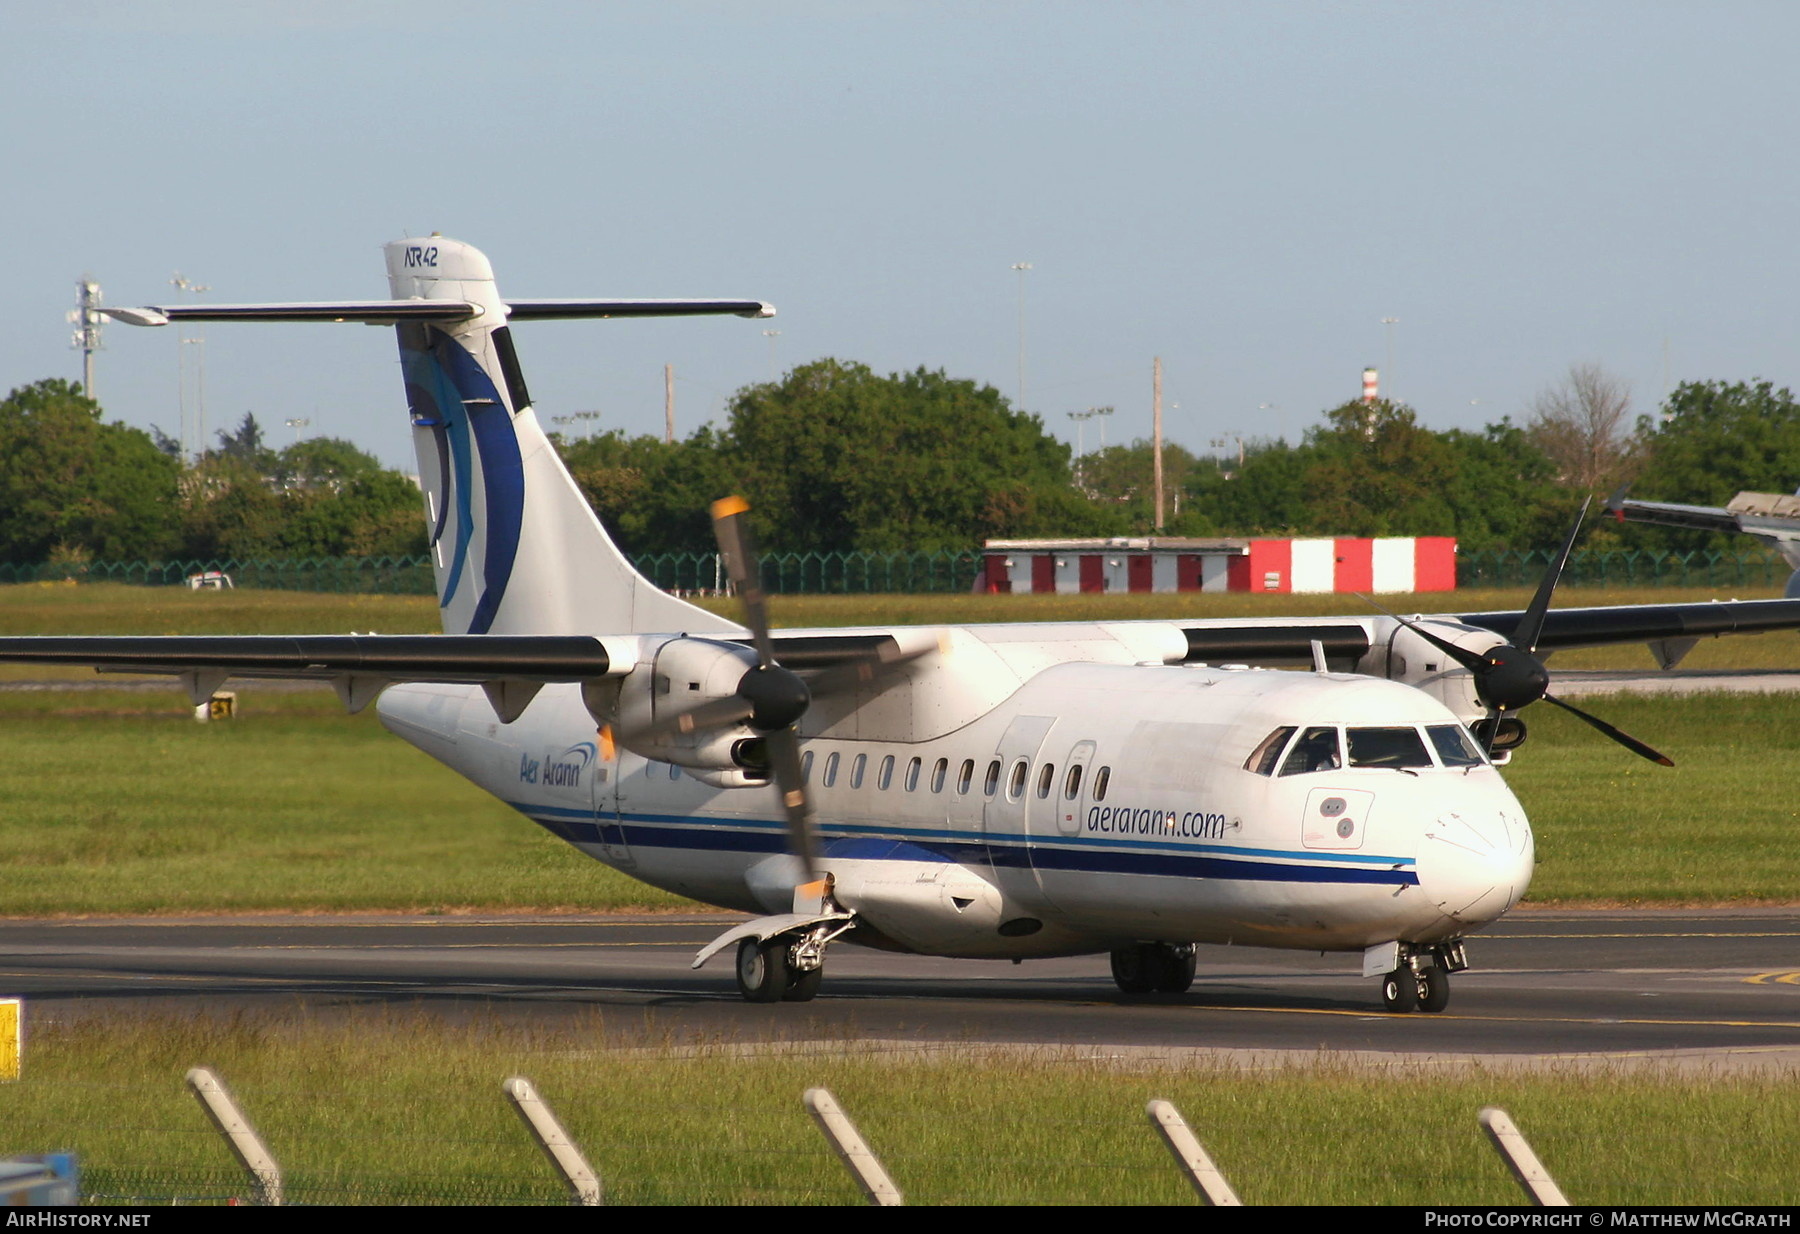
column 770, row 698
column 1509, row 676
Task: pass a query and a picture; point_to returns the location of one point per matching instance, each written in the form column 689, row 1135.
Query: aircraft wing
column 359, row 666
column 511, row 668
column 1673, row 514
column 1646, row 623
column 1273, row 642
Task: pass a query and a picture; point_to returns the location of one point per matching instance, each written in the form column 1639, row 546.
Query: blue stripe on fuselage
column 970, row 848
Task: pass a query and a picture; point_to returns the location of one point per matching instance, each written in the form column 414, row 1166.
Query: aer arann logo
column 562, row 770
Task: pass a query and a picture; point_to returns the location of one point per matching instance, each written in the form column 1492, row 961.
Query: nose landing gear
column 1422, row 980
column 1154, row 968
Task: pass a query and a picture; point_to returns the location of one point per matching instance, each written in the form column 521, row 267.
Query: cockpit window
column 1262, row 760
column 1387, row 747
column 1454, row 745
column 1317, row 750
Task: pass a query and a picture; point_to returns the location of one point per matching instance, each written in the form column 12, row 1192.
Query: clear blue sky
column 1244, row 189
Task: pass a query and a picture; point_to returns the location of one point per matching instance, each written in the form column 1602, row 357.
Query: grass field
column 409, row 1110
column 116, row 801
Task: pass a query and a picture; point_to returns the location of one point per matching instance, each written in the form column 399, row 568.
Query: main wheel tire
column 1177, row 969
column 762, row 969
column 1135, row 969
column 1400, row 990
column 1434, row 989
column 803, row 985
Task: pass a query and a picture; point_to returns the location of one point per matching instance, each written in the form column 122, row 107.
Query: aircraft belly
column 1220, row 896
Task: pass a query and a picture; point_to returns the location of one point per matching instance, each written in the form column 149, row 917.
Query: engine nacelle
column 1405, row 657
column 678, row 676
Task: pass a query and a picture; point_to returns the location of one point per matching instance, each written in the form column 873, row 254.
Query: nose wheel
column 1422, row 982
column 1154, row 968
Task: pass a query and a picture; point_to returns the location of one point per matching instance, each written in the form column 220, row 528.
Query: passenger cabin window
column 1317, row 750
column 887, row 773
column 912, row 774
column 1072, row 783
column 965, row 776
column 831, row 762
column 1046, row 780
column 857, row 768
column 1015, row 783
column 1388, row 747
column 1263, row 759
column 1454, row 746
column 939, row 770
column 806, row 767
column 992, row 781
column 1101, row 778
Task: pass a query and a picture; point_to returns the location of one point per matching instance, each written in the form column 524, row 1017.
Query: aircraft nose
column 1474, row 867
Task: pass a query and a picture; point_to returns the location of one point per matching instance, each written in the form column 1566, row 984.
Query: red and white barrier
column 1394, row 564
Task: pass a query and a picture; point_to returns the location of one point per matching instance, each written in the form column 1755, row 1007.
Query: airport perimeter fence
column 1623, row 568
column 878, row 573
column 283, row 1147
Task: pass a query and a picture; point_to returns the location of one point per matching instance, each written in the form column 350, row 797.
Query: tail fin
column 515, row 546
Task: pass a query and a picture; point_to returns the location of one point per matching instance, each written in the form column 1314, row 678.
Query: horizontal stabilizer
column 375, row 312
column 390, row 312
column 548, row 310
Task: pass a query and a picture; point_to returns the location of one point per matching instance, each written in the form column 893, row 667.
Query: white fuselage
column 1096, row 805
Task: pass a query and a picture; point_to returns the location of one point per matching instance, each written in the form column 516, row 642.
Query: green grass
column 138, row 809
column 409, row 1110
column 1720, row 826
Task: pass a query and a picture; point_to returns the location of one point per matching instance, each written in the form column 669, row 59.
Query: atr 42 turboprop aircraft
column 999, row 791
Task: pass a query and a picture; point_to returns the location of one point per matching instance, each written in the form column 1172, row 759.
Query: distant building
column 1169, row 564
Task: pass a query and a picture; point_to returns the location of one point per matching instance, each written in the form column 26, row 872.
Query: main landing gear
column 1422, row 982
column 784, row 969
column 1154, row 968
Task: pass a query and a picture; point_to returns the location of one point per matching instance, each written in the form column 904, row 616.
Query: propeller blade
column 863, row 670
column 1531, row 626
column 1491, row 732
column 731, row 527
column 1625, row 739
column 790, row 783
column 778, row 694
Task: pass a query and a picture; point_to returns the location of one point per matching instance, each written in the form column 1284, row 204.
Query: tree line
column 835, row 457
column 74, row 487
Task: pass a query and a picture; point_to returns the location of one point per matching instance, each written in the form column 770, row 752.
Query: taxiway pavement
column 1695, row 988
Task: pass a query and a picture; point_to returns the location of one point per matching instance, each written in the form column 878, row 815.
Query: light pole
column 195, row 446
column 297, row 424
column 1081, row 418
column 1021, row 267
column 771, row 335
column 1387, row 370
column 87, row 319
